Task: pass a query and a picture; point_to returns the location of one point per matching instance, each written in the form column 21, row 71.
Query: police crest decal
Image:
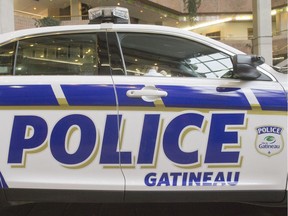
column 269, row 140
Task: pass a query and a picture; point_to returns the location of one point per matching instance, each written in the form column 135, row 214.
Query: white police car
column 138, row 113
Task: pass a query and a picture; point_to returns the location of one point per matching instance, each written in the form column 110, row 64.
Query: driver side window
column 162, row 55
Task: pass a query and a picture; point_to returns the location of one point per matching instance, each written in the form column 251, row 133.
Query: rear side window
column 67, row 54
column 7, row 59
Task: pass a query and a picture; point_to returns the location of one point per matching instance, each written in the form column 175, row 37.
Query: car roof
column 33, row 32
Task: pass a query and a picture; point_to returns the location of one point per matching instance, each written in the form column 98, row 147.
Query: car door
column 58, row 114
column 191, row 131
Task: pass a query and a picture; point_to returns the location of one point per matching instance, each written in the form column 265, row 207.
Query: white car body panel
column 41, row 169
column 253, row 176
column 120, row 159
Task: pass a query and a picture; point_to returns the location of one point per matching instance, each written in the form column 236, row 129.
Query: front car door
column 191, row 131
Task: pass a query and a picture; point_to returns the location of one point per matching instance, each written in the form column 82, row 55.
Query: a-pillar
column 262, row 29
column 6, row 16
column 75, row 10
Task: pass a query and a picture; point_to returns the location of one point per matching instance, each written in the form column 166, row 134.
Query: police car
column 138, row 113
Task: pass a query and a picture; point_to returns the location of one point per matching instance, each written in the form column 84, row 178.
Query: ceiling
column 145, row 13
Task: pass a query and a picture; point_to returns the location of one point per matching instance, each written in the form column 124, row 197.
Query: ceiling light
column 273, row 12
column 243, row 17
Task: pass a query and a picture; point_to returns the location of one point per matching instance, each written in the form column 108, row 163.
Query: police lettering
column 192, row 179
column 30, row 133
column 269, row 129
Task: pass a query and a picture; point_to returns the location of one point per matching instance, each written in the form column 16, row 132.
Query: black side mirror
column 245, row 66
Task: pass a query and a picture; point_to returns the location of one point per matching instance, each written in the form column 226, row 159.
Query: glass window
column 213, row 65
column 7, row 59
column 162, row 55
column 116, row 63
column 69, row 54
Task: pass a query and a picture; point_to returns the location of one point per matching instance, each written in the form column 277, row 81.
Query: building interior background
column 229, row 21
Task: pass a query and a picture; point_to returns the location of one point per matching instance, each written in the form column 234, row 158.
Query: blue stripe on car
column 27, row 95
column 205, row 97
column 89, row 95
column 271, row 99
column 3, row 182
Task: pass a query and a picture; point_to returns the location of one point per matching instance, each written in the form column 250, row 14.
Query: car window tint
column 67, row 54
column 162, row 55
column 7, row 59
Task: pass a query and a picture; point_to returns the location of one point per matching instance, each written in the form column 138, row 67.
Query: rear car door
column 58, row 114
column 191, row 131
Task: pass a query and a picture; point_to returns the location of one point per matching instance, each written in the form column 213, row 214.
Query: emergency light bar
column 118, row 15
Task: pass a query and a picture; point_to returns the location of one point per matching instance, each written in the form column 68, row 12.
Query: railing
column 27, row 14
column 68, row 17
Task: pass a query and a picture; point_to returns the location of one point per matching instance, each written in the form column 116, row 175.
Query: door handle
column 148, row 93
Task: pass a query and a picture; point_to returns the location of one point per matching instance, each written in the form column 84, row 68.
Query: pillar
column 6, row 16
column 262, row 29
column 75, row 10
column 282, row 22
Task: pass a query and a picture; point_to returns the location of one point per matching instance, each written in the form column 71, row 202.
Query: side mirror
column 245, row 66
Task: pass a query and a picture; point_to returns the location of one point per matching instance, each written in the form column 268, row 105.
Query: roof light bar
column 117, row 15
